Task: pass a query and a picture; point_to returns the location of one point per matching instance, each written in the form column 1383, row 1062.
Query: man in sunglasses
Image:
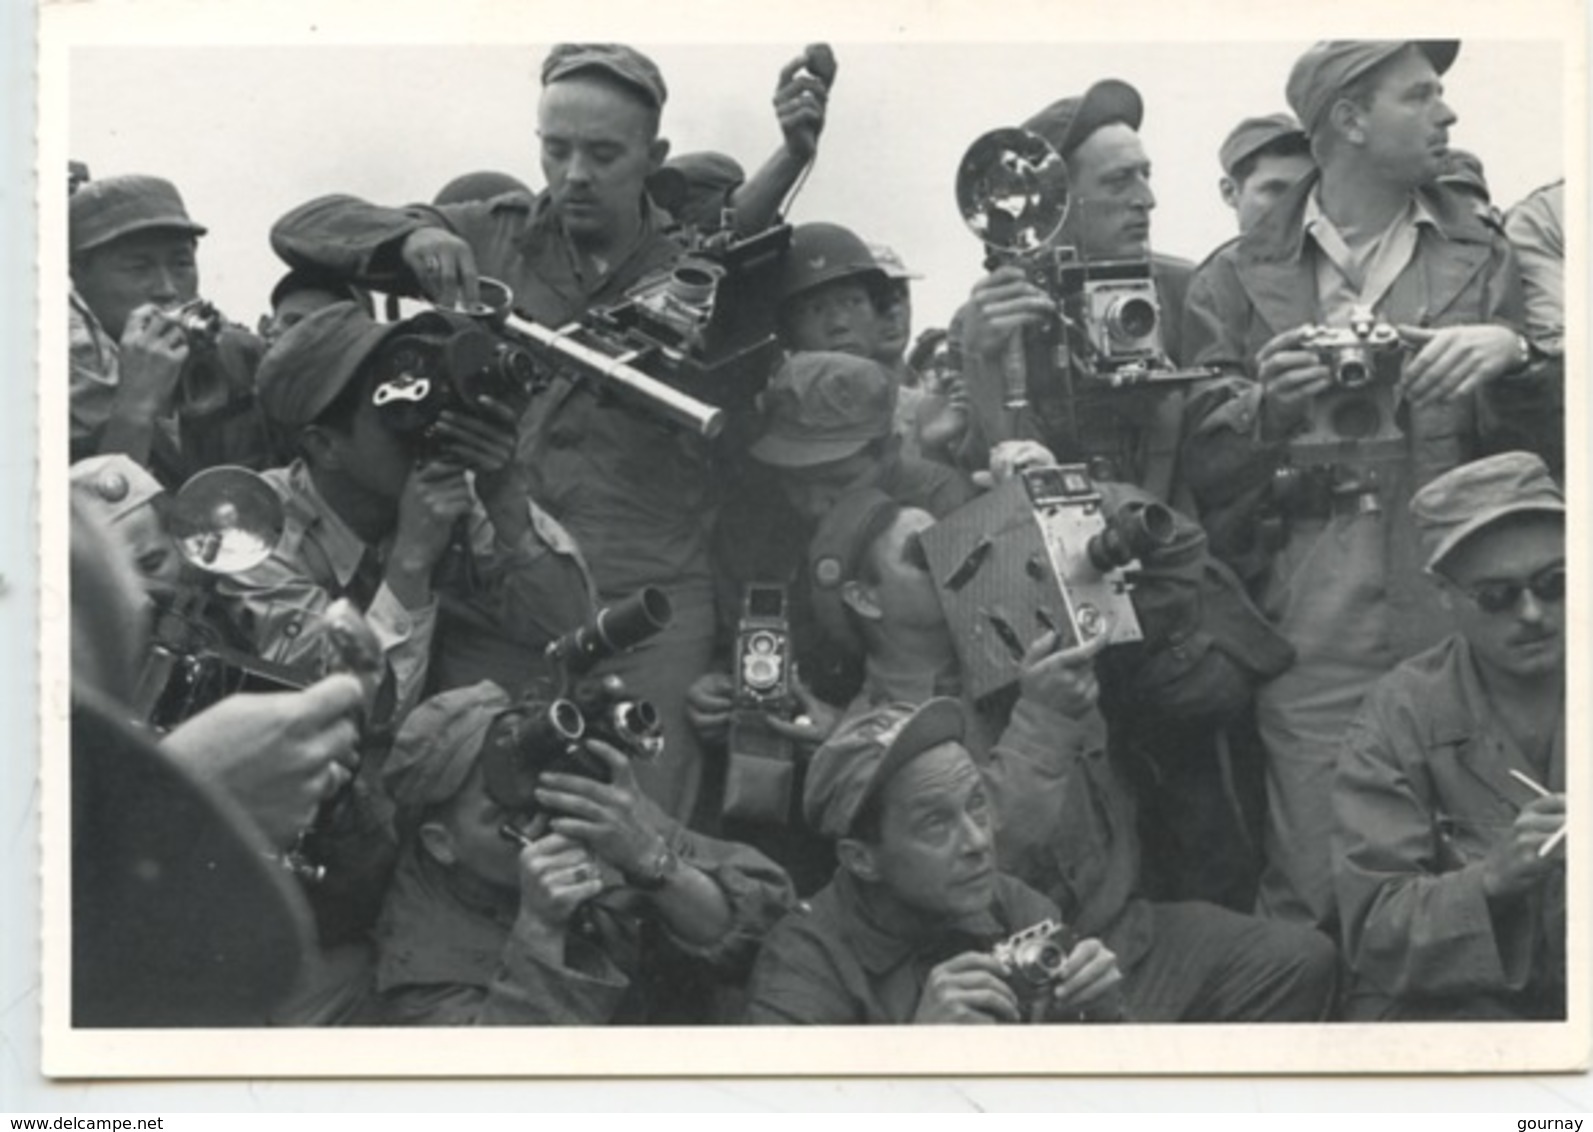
column 1449, row 855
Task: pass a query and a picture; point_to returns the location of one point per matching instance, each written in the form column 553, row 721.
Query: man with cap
column 587, row 906
column 1261, row 158
column 903, row 934
column 1064, row 812
column 141, row 383
column 1449, row 851
column 1108, row 218
column 1334, row 562
column 639, row 498
column 459, row 574
column 931, row 420
column 301, row 293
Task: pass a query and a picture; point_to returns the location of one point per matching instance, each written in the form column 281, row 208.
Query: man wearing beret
column 1108, row 219
column 458, row 573
column 904, row 932
column 591, row 907
column 142, row 384
column 1064, row 813
column 1329, row 547
column 1261, row 158
column 1449, row 852
column 639, row 498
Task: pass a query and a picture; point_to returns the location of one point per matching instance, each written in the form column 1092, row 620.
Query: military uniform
column 636, row 495
column 1346, row 587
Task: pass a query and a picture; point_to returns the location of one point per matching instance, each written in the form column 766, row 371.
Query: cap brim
column 1486, row 519
column 783, row 452
column 937, row 722
column 186, row 227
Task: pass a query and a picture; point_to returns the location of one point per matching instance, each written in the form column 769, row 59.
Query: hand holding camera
column 1002, row 304
column 1291, row 374
column 1064, row 681
column 154, row 349
column 444, row 267
column 436, row 495
column 1456, row 360
column 613, row 819
column 967, row 989
column 279, row 755
column 1055, row 976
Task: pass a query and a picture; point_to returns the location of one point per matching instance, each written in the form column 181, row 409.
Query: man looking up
column 1368, row 230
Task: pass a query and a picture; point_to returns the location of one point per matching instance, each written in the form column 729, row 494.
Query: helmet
column 823, row 253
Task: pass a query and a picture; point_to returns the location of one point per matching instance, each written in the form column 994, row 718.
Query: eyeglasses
column 1547, row 586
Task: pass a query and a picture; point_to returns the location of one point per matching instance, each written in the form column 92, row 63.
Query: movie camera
column 1041, row 553
column 1013, row 193
column 539, row 736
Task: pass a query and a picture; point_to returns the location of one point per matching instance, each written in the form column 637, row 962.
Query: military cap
column 438, row 744
column 1254, row 134
column 1474, row 496
column 304, row 370
column 113, row 486
column 1067, row 122
column 891, row 263
column 695, row 187
column 298, row 279
column 108, row 209
column 1321, row 74
column 484, row 184
column 835, row 556
column 1464, row 168
column 616, row 60
column 856, row 763
column 821, row 407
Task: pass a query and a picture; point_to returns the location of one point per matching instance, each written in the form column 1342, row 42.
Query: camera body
column 761, row 775
column 531, row 739
column 201, row 323
column 1365, row 359
column 1040, row 553
column 1032, row 961
column 762, row 666
column 1115, row 318
column 440, row 360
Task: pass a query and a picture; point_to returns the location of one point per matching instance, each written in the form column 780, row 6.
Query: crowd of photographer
column 642, row 632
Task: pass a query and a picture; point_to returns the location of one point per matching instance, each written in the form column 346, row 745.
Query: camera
column 200, row 321
column 1365, row 359
column 1365, row 351
column 440, row 360
column 762, row 671
column 1041, row 553
column 611, row 630
column 532, row 738
column 761, row 773
column 685, row 344
column 1032, row 962
column 1114, row 309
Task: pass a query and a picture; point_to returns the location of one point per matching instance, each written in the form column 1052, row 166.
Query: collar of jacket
column 881, row 946
column 1459, row 709
column 1280, row 234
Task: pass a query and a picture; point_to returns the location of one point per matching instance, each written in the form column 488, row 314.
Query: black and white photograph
column 590, row 545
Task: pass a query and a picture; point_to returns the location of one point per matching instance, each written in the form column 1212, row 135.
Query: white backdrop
column 248, row 132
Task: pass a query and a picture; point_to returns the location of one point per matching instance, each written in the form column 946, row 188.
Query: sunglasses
column 1547, row 586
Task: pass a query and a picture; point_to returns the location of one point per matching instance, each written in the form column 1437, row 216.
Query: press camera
column 1365, row 359
column 1041, row 553
column 1013, row 193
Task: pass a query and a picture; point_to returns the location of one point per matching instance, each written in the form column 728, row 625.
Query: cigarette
column 1548, row 846
column 1528, row 783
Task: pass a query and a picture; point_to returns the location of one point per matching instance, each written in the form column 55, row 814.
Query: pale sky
column 249, row 132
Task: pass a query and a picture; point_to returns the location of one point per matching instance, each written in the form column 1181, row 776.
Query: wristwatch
column 660, row 869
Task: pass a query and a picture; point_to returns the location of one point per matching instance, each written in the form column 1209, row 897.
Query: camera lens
column 1132, row 319
column 692, row 284
column 1352, row 369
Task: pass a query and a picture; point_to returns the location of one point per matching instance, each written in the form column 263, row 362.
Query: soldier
column 1369, row 229
column 1261, row 158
